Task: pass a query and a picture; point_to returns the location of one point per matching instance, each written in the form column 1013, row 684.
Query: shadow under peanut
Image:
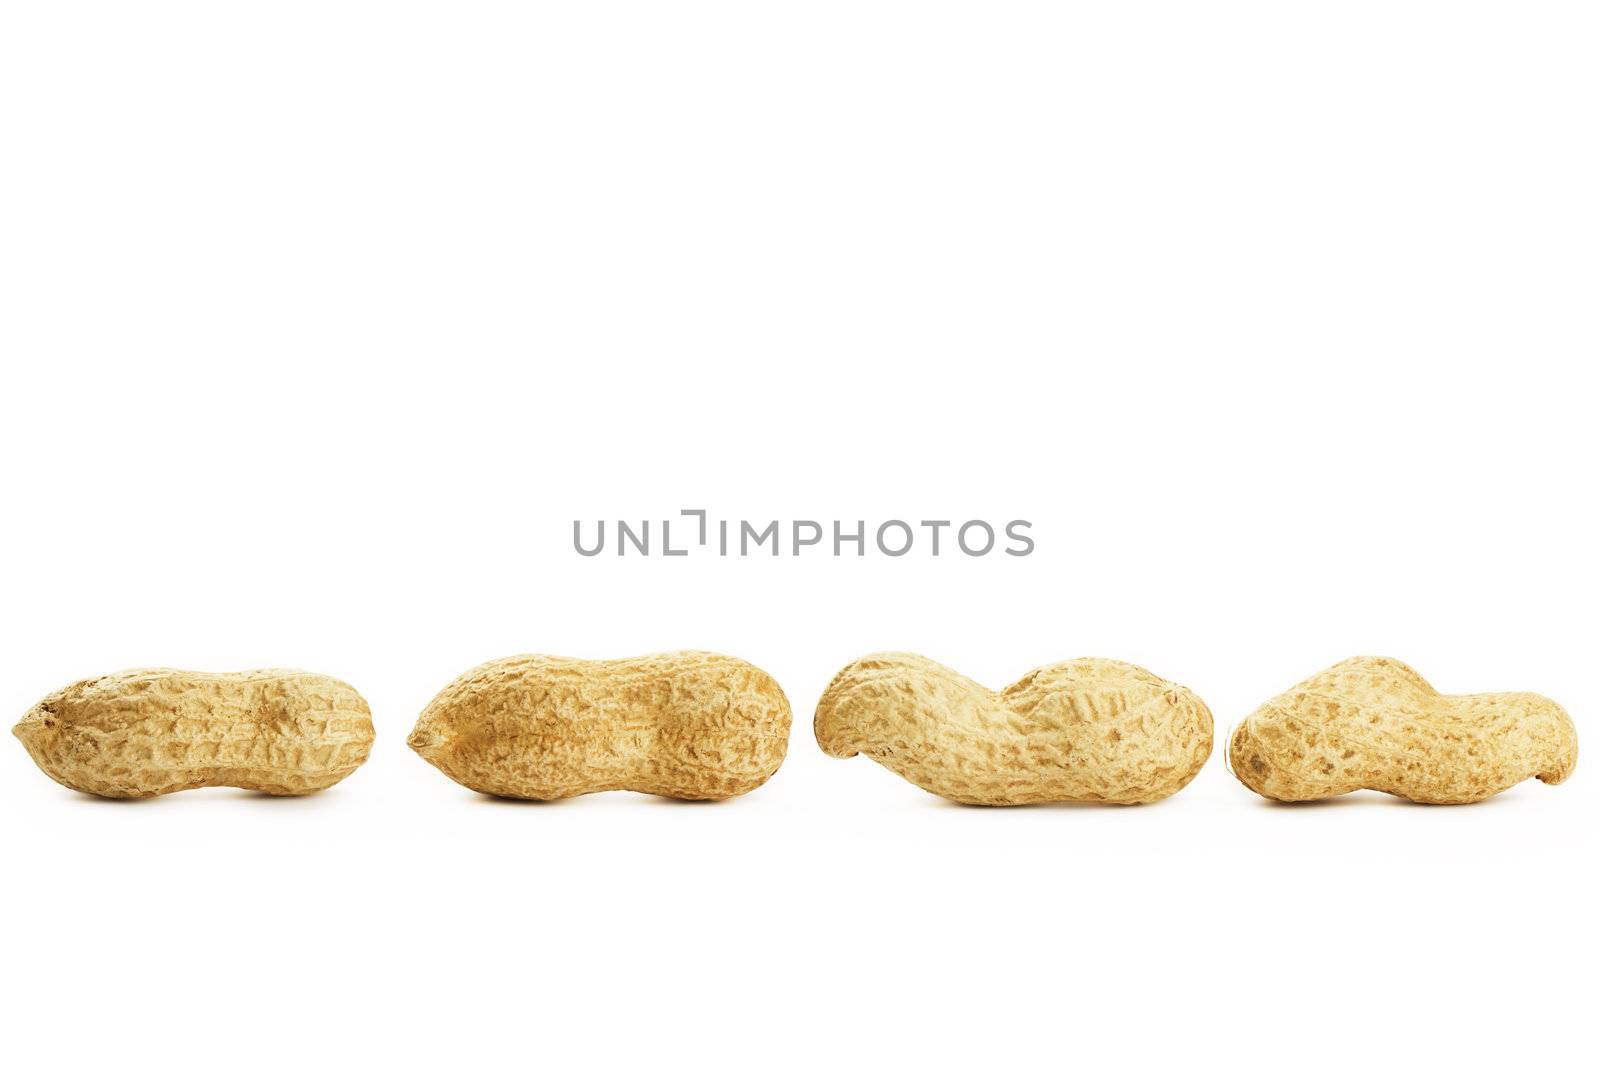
column 614, row 796
column 206, row 796
column 942, row 804
column 1370, row 798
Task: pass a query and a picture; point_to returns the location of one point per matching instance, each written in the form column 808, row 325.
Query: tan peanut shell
column 1083, row 730
column 692, row 725
column 1374, row 723
column 147, row 732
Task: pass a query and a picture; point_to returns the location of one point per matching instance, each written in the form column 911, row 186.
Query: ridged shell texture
column 146, row 732
column 692, row 725
column 1374, row 723
column 1083, row 730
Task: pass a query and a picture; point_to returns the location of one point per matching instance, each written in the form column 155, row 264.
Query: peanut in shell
column 1374, row 723
column 142, row 733
column 1093, row 730
column 691, row 725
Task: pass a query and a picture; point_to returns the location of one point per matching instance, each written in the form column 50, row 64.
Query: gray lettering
column 974, row 538
column 666, row 540
column 577, row 542
column 700, row 512
column 745, row 530
column 1011, row 532
column 935, row 525
column 859, row 537
column 624, row 535
column 800, row 542
column 903, row 548
column 961, row 537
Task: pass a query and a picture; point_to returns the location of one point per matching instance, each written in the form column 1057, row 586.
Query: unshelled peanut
column 692, row 725
column 146, row 732
column 1374, row 723
column 1084, row 730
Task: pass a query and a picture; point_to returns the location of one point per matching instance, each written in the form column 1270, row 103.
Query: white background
column 322, row 322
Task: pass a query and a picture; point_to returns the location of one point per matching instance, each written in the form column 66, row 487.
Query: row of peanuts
column 704, row 726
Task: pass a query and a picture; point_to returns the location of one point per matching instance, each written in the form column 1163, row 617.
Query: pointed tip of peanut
column 31, row 725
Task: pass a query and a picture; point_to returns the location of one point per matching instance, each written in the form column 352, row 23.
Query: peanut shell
column 1083, row 730
column 692, row 725
column 1374, row 723
column 143, row 733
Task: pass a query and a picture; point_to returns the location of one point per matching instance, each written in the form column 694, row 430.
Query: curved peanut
column 147, row 732
column 1374, row 723
column 1082, row 730
column 693, row 725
